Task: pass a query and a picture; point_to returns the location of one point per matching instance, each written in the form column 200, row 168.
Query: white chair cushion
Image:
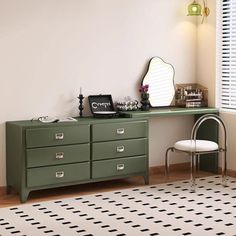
column 201, row 145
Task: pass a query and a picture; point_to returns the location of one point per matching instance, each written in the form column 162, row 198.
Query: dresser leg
column 146, row 179
column 24, row 195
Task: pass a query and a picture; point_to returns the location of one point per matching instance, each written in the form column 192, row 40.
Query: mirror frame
column 142, row 82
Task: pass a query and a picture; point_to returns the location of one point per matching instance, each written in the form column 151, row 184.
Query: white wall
column 51, row 48
column 206, row 75
column 206, row 52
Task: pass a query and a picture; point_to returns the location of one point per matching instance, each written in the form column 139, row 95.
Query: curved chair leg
column 224, row 168
column 193, row 173
column 167, row 164
column 198, row 164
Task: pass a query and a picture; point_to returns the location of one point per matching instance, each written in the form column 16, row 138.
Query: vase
column 145, row 102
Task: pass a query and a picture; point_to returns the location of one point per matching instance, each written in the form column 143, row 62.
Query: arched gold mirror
column 160, row 78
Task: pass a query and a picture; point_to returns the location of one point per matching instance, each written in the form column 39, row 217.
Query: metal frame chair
column 194, row 149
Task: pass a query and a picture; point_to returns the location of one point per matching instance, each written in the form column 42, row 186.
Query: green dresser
column 41, row 156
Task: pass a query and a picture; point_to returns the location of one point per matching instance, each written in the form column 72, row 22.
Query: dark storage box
column 102, row 106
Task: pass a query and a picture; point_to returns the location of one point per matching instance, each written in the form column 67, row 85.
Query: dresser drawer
column 36, row 157
column 121, row 130
column 46, row 176
column 121, row 148
column 121, row 166
column 41, row 137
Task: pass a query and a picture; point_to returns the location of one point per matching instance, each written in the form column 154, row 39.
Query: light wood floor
column 78, row 190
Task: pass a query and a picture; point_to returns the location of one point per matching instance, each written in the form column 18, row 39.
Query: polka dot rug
column 163, row 209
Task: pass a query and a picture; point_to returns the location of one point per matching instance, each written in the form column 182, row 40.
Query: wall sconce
column 195, row 9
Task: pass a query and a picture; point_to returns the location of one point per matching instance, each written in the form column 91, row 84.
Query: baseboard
column 2, row 190
column 173, row 167
column 231, row 173
column 183, row 167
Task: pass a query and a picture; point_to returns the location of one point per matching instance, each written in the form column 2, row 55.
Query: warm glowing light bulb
column 194, row 9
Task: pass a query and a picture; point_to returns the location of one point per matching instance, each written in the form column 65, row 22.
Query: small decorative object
column 191, row 95
column 127, row 105
column 52, row 119
column 81, row 107
column 102, row 106
column 144, row 97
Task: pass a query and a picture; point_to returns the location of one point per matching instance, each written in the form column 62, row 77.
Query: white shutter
column 226, row 40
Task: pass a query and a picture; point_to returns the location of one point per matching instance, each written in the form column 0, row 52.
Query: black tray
column 102, row 106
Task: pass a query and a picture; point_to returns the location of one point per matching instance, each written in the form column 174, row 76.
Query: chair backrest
column 202, row 119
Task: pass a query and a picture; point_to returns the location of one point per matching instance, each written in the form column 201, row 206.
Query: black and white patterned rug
column 164, row 209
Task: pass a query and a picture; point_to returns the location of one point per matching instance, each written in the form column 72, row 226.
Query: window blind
column 226, row 34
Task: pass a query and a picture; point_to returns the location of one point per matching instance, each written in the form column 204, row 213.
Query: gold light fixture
column 195, row 9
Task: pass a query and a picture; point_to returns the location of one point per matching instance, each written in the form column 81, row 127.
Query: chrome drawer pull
column 120, row 149
column 120, row 131
column 59, row 155
column 120, row 167
column 59, row 136
column 59, row 174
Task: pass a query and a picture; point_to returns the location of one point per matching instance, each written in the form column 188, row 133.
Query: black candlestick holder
column 81, row 107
